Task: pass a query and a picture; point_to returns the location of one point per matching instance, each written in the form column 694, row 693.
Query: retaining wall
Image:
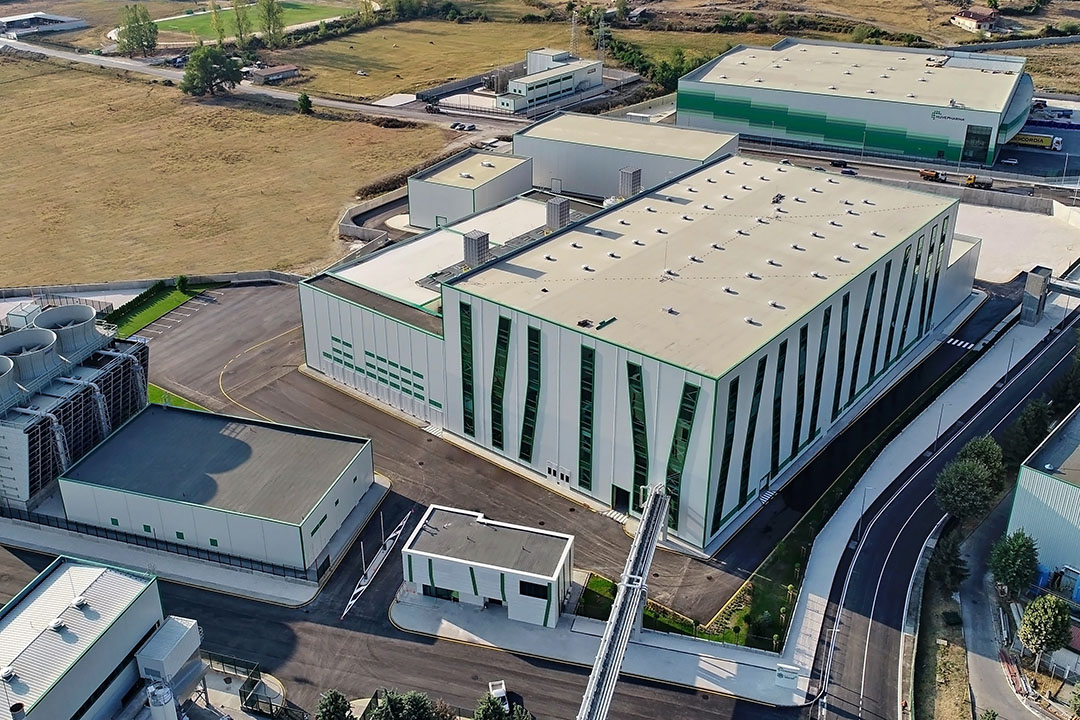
column 1012, row 44
column 234, row 278
column 348, row 228
column 972, row 196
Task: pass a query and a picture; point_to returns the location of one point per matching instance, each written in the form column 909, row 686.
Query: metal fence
column 102, row 307
column 250, row 696
column 149, row 541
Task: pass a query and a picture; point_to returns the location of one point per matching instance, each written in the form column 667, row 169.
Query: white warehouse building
column 272, row 495
column 461, row 556
column 467, row 183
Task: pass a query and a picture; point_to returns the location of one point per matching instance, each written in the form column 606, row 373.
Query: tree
column 271, row 22
column 303, row 104
column 242, row 23
column 366, row 11
column 947, row 567
column 1074, row 700
column 989, row 715
column 333, row 706
column 217, row 23
column 1045, row 626
column 520, row 713
column 1030, row 428
column 622, row 9
column 984, row 449
column 441, row 710
column 208, row 70
column 993, row 4
column 416, row 706
column 1013, row 560
column 1066, row 391
column 138, row 32
column 963, row 489
column 488, row 708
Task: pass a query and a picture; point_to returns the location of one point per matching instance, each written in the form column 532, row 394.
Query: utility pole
column 573, row 32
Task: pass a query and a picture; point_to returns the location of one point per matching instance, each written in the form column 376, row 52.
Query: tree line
column 392, row 705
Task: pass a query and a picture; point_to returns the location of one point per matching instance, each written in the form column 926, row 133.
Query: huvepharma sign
column 938, row 115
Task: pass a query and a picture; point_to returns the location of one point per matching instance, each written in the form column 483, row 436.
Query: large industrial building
column 65, row 382
column 246, row 488
column 701, row 333
column 462, row 556
column 933, row 104
column 1046, row 505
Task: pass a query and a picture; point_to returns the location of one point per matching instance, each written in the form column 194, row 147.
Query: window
column 532, row 396
column 680, row 440
column 896, row 307
column 638, row 431
column 751, row 430
column 498, row 382
column 213, row 542
column 841, row 353
column 929, row 270
column 468, row 417
column 533, row 590
column 435, row 404
column 725, row 457
column 800, row 391
column 147, row 528
column 862, row 336
column 585, row 418
column 823, row 349
column 318, row 525
column 114, row 522
column 911, row 295
column 777, row 408
column 880, row 320
column 179, row 535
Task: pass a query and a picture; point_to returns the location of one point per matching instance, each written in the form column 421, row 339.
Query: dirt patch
column 941, row 674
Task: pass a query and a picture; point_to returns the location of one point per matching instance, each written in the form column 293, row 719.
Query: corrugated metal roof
column 40, row 655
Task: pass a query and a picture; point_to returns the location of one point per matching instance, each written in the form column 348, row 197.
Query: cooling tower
column 74, row 326
column 33, row 350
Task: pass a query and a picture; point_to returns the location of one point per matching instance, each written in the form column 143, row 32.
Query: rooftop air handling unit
column 75, row 328
column 33, row 350
column 8, row 389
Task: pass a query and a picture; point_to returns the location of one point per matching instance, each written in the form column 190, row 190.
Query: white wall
column 506, row 185
column 957, row 282
column 1048, row 509
column 336, row 504
column 99, row 661
column 241, row 535
column 14, row 466
column 432, row 204
column 387, row 340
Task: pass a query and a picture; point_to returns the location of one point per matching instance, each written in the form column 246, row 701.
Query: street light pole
column 863, row 511
column 1008, row 368
column 937, row 436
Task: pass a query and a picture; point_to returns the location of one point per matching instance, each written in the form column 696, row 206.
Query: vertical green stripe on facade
column 937, row 273
column 472, row 576
column 547, row 608
column 585, row 418
column 638, row 430
column 502, row 586
column 867, row 302
column 467, row 379
column 431, row 572
column 911, row 296
column 680, row 441
column 408, row 558
column 532, row 396
column 896, row 306
column 725, row 456
column 880, row 320
column 751, row 431
column 841, row 356
column 777, row 408
column 498, row 382
column 800, row 392
column 819, row 377
column 926, row 281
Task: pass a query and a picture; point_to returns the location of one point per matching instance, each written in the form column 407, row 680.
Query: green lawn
column 599, row 594
column 160, row 303
column 164, row 397
column 295, row 13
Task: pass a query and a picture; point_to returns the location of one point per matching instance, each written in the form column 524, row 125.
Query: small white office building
column 462, row 556
column 551, row 76
column 467, row 183
column 216, row 484
column 68, row 641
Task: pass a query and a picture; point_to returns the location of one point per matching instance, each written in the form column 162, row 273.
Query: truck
column 979, row 181
column 497, row 688
column 934, row 175
column 1047, row 142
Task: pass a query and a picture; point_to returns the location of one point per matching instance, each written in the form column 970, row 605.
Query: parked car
column 1010, row 161
column 838, row 163
column 849, row 171
column 467, row 127
column 457, row 126
column 497, row 688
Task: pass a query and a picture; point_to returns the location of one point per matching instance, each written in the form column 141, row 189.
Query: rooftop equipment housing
column 33, row 350
column 75, row 327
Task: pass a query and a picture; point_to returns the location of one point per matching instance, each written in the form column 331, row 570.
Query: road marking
column 960, row 343
column 177, row 312
column 221, row 375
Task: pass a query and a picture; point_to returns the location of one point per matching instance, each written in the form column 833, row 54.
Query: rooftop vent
column 696, row 259
column 747, row 187
column 7, row 673
column 650, row 208
column 741, row 232
column 79, row 601
column 775, row 304
column 485, row 163
column 922, row 79
column 870, row 91
column 727, row 289
column 753, row 275
column 854, row 65
column 707, row 206
column 763, row 221
column 57, row 625
column 884, row 75
column 585, row 323
column 814, row 189
column 575, row 245
column 835, row 224
column 847, row 72
column 819, row 276
column 639, row 243
column 773, row 263
column 624, row 221
column 798, row 199
column 762, row 177
column 587, row 268
column 852, row 212
column 690, row 189
column 867, row 201
column 671, row 273
column 728, row 197
column 832, row 87
column 841, row 258
column 465, row 175
column 710, row 180
column 729, row 171
column 614, row 255
column 859, row 246
column 875, row 233
column 749, row 320
column 687, row 217
column 815, row 233
column 832, row 181
column 797, row 246
column 717, row 246
column 598, row 231
column 661, row 231
column 911, row 95
column 757, row 80
column 671, row 311
column 549, row 258
column 746, row 163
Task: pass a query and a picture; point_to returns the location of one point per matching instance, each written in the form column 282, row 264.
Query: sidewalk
column 194, row 571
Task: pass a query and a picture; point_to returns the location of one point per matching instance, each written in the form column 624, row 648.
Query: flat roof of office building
column 1059, row 454
column 470, row 169
column 707, row 269
column 470, row 537
column 557, row 71
column 41, row 656
column 938, row 78
column 621, row 134
column 244, row 466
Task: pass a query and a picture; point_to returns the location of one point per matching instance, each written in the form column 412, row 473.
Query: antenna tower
column 573, row 32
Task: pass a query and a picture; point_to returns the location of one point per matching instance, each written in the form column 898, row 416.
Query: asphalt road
column 865, row 672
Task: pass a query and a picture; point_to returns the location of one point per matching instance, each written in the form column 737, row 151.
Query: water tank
column 8, row 390
column 74, row 327
column 160, row 698
column 33, row 350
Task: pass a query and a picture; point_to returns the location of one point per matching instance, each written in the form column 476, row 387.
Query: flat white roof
column 556, row 71
column 620, row 134
column 470, row 169
column 396, row 270
column 908, row 75
column 39, row 655
column 711, row 229
column 166, row 638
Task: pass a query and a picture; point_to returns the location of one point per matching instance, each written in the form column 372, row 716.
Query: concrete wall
column 1048, row 509
column 956, row 283
column 1012, row 44
column 375, row 341
column 14, row 466
column 327, row 516
column 476, row 583
column 973, row 196
column 432, row 204
column 515, row 181
column 100, row 659
column 240, row 535
column 237, row 278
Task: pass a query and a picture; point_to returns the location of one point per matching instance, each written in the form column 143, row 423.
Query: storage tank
column 33, row 350
column 8, row 389
column 74, row 326
column 160, row 698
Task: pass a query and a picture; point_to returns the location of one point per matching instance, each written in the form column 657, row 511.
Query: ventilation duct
column 74, row 327
column 33, row 350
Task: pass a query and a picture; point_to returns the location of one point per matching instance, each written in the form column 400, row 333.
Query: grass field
column 415, row 55
column 102, row 15
column 941, row 673
column 1054, row 69
column 164, row 397
column 106, row 179
column 180, row 29
column 154, row 306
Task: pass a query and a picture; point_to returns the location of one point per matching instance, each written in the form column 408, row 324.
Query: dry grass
column 414, row 55
column 101, row 14
column 106, row 179
column 941, row 675
column 1054, row 69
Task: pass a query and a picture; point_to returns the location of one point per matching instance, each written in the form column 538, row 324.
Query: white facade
column 467, row 183
column 300, row 546
column 551, row 76
column 460, row 579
